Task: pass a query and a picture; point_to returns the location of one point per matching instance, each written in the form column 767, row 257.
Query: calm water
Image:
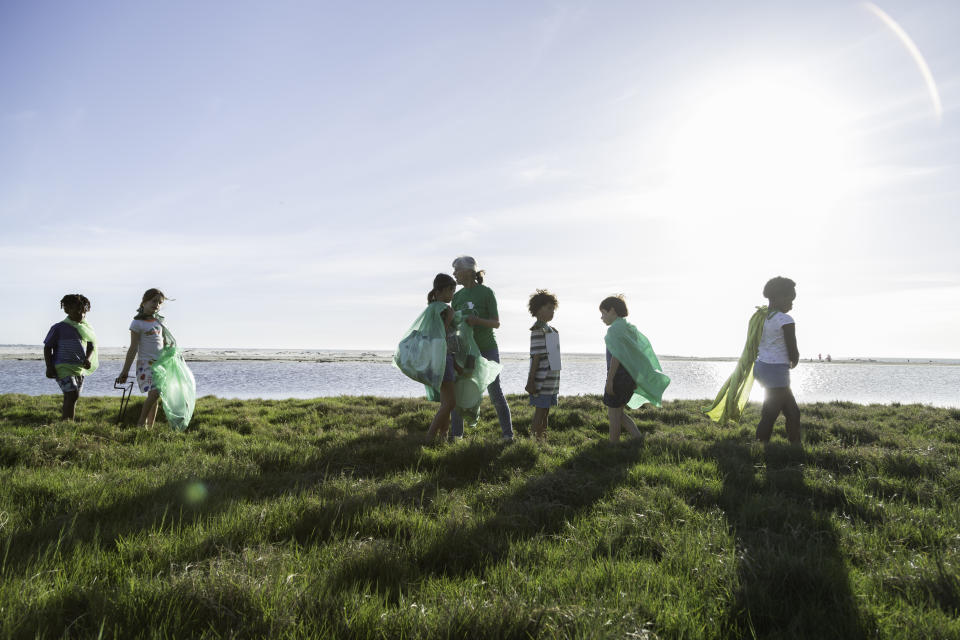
column 935, row 384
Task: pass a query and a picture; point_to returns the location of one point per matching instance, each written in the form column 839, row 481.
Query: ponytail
column 441, row 281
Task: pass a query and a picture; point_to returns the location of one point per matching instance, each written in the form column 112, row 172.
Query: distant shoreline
column 31, row 352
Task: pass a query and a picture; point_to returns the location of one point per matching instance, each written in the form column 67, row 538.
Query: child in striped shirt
column 543, row 382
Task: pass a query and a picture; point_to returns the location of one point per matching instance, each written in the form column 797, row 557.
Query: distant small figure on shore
column 820, row 357
column 478, row 305
column 543, row 381
column 70, row 351
column 778, row 354
column 829, row 359
column 634, row 374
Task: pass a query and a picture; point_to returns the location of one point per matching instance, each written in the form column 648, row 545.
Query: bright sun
column 756, row 143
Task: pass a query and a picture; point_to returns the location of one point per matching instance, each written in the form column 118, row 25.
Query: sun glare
column 756, row 144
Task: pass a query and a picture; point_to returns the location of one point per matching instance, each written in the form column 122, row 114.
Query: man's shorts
column 144, row 376
column 70, row 384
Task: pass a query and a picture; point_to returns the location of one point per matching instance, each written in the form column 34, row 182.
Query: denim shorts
column 543, row 402
column 772, row 376
column 70, row 384
column 449, row 373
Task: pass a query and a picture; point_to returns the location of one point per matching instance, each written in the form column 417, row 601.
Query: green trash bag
column 422, row 353
column 422, row 356
column 635, row 353
column 475, row 375
column 178, row 389
column 735, row 392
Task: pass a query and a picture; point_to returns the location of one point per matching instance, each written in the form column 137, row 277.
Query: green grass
column 329, row 518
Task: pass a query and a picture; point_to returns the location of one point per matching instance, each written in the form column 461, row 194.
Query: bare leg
column 772, row 404
column 630, row 425
column 539, row 425
column 69, row 404
column 149, row 411
column 792, row 413
column 615, row 416
column 441, row 421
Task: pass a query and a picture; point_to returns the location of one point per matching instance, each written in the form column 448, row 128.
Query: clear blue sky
column 295, row 173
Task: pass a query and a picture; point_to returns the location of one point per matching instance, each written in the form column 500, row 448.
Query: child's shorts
column 623, row 388
column 541, row 401
column 70, row 384
column 771, row 376
column 449, row 373
column 144, row 376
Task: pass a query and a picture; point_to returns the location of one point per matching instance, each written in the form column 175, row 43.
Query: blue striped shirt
column 68, row 346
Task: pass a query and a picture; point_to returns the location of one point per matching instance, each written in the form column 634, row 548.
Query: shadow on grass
column 169, row 506
column 185, row 610
column 542, row 505
column 792, row 578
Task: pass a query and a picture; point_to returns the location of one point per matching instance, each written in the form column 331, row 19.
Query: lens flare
column 914, row 52
column 195, row 493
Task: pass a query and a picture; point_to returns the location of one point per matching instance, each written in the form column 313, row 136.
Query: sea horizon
column 218, row 354
column 304, row 373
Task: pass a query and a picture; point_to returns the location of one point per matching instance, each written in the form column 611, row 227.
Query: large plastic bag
column 636, row 355
column 422, row 356
column 422, row 353
column 735, row 392
column 476, row 374
column 178, row 389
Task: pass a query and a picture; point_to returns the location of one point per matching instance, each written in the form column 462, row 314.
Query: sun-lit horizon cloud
column 301, row 191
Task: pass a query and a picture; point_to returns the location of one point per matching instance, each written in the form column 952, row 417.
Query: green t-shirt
column 480, row 301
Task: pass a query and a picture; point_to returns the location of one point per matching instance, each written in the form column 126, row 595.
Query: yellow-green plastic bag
column 735, row 392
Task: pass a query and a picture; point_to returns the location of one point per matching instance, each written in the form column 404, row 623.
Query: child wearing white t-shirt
column 778, row 354
column 146, row 342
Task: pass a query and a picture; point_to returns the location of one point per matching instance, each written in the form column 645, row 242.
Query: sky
column 293, row 174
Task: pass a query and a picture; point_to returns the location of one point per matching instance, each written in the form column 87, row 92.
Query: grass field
column 330, row 518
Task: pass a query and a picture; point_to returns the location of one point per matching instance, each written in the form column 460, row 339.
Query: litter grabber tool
column 127, row 391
